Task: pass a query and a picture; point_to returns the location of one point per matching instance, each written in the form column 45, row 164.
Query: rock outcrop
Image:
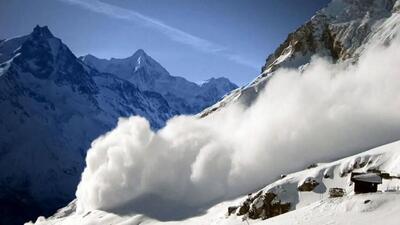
column 260, row 206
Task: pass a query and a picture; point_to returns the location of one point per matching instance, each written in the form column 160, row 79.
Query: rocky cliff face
column 338, row 32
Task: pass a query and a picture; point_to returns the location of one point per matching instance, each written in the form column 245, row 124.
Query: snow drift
column 323, row 112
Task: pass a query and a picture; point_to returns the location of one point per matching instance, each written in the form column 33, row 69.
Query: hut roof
column 368, row 177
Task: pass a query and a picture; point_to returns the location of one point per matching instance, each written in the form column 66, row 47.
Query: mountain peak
column 345, row 10
column 43, row 32
column 217, row 87
column 139, row 57
column 88, row 57
column 126, row 67
column 218, row 80
column 140, row 52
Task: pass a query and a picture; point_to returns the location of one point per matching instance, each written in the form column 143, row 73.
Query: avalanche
column 329, row 91
column 310, row 207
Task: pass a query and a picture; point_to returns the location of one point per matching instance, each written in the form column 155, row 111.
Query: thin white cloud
column 242, row 60
column 171, row 32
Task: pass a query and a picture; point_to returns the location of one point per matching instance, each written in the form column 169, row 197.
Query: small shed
column 336, row 192
column 366, row 182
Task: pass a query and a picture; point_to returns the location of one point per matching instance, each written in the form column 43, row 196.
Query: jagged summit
column 221, row 83
column 140, row 52
column 137, row 54
column 43, row 32
column 126, row 67
column 217, row 79
column 47, row 58
column 149, row 75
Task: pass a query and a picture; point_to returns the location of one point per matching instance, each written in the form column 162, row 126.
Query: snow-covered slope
column 340, row 32
column 52, row 107
column 147, row 74
column 310, row 207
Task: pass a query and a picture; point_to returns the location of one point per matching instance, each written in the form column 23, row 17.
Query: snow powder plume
column 325, row 112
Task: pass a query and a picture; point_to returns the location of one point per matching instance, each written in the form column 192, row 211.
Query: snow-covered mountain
column 342, row 32
column 52, row 107
column 147, row 74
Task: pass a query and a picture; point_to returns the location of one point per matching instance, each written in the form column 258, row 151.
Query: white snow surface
column 310, row 207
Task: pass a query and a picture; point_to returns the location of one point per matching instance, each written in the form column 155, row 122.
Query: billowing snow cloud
column 325, row 112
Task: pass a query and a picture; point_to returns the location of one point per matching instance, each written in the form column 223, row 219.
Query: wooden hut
column 366, row 182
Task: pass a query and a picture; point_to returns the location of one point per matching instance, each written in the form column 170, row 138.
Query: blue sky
column 196, row 39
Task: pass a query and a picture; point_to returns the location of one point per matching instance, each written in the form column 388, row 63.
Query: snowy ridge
column 8, row 48
column 147, row 74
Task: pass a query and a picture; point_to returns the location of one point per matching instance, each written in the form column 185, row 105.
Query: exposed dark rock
column 244, row 209
column 256, row 196
column 362, row 164
column 336, row 49
column 261, row 206
column 386, row 176
column 336, row 192
column 279, row 208
column 308, row 185
column 301, row 40
column 232, row 210
column 373, row 170
column 312, row 166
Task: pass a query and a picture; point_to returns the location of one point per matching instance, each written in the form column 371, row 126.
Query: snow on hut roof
column 368, row 177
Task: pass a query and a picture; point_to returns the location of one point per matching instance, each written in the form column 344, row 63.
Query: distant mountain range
column 53, row 105
column 182, row 95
